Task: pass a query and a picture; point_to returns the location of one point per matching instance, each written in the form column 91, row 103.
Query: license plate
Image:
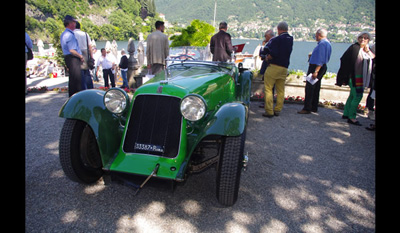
column 149, row 147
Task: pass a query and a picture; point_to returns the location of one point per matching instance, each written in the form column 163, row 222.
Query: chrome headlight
column 116, row 100
column 193, row 107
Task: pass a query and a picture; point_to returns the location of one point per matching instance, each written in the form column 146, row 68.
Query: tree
column 198, row 33
column 109, row 32
column 52, row 25
column 88, row 26
column 131, row 7
column 122, row 21
column 56, row 40
column 148, row 8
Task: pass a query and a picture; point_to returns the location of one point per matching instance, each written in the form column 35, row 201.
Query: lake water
column 298, row 58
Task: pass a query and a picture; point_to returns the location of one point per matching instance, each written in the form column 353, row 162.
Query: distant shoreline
column 260, row 39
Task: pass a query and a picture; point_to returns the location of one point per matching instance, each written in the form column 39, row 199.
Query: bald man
column 318, row 60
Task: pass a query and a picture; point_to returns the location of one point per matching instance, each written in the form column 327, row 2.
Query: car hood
column 212, row 82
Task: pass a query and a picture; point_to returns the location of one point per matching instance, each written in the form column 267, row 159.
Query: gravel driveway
column 307, row 173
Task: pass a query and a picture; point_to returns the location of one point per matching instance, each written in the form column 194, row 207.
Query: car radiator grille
column 154, row 126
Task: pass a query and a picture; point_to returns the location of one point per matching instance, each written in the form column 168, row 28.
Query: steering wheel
column 183, row 57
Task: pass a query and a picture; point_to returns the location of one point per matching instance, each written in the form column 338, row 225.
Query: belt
column 278, row 66
column 71, row 56
column 317, row 65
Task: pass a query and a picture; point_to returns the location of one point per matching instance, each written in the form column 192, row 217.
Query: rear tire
column 79, row 154
column 229, row 169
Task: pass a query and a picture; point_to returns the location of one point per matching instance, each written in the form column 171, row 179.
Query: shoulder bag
column 90, row 61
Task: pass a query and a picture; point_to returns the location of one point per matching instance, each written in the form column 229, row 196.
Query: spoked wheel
column 229, row 169
column 79, row 154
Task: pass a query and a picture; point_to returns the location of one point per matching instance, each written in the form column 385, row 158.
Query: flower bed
column 40, row 89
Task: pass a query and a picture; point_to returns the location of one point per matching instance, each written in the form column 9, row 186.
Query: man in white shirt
column 107, row 62
column 84, row 42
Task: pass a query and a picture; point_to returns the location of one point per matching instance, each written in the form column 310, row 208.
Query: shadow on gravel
column 311, row 173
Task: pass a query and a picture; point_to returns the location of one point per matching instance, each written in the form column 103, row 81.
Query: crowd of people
column 357, row 66
column 78, row 55
column 84, row 61
column 357, row 69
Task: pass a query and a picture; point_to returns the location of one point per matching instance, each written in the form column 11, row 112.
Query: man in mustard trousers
column 280, row 49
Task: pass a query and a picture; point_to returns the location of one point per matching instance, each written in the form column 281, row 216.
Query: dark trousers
column 86, row 80
column 156, row 68
column 370, row 102
column 108, row 73
column 311, row 99
column 74, row 66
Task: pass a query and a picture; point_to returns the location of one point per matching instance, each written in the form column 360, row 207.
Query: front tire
column 229, row 169
column 79, row 154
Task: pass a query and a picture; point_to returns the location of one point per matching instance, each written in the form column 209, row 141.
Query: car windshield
column 190, row 53
column 194, row 55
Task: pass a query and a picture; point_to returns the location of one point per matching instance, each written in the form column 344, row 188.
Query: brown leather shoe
column 267, row 115
column 304, row 112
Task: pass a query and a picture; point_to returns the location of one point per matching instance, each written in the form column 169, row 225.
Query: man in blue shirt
column 72, row 55
column 28, row 44
column 280, row 48
column 318, row 60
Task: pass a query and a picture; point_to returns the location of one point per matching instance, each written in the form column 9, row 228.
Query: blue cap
column 69, row 18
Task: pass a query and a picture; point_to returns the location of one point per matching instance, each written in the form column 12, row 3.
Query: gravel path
column 307, row 173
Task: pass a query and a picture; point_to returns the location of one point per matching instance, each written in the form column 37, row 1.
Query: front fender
column 229, row 120
column 244, row 87
column 88, row 106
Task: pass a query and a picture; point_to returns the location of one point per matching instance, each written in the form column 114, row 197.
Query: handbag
column 90, row 61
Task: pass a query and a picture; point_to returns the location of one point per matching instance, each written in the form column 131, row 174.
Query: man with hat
column 72, row 55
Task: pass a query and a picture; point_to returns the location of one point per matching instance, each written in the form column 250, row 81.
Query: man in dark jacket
column 221, row 44
column 123, row 65
column 280, row 48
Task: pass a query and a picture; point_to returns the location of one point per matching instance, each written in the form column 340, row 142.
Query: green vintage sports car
column 182, row 121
